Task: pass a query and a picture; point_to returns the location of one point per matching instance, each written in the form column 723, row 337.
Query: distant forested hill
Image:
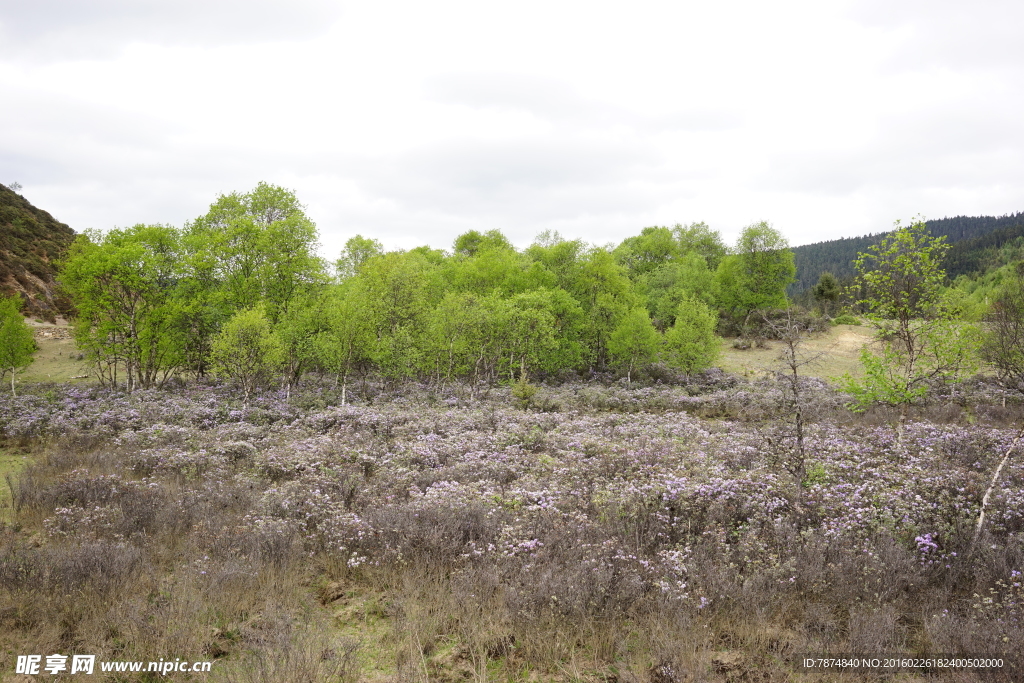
column 31, row 241
column 971, row 236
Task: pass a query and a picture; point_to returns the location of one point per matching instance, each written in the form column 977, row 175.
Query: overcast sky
column 414, row 121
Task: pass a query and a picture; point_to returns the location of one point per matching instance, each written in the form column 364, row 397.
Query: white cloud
column 413, row 122
column 66, row 29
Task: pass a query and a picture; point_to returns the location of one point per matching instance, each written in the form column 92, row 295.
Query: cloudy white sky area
column 413, row 122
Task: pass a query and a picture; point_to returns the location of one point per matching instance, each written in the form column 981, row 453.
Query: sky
column 412, row 122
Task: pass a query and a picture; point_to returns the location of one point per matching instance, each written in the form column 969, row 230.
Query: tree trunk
column 988, row 492
column 900, row 425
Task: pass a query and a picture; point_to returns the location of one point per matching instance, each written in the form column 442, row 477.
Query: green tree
column 559, row 324
column 248, row 350
column 826, row 292
column 398, row 353
column 634, row 341
column 921, row 341
column 755, row 277
column 460, row 336
column 700, row 239
column 255, row 247
column 357, row 250
column 16, row 341
column 346, row 339
column 562, row 258
column 691, row 344
column 606, row 294
column 1003, row 341
column 645, row 252
column 527, row 335
column 488, row 263
column 667, row 286
column 125, row 286
column 297, row 328
column 472, row 242
column 401, row 287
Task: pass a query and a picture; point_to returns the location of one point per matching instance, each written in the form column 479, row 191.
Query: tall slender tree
column 921, row 341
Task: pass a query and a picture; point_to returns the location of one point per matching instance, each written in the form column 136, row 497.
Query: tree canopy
column 155, row 300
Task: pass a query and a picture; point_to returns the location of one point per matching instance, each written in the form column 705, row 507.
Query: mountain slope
column 31, row 242
column 977, row 233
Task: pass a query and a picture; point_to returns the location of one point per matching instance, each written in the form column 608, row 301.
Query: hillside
column 972, row 237
column 31, row 242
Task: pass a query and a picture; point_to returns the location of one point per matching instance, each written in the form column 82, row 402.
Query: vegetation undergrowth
column 585, row 532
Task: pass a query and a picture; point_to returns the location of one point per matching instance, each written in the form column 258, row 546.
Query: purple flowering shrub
column 579, row 527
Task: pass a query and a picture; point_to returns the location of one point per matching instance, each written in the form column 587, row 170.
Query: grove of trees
column 155, row 301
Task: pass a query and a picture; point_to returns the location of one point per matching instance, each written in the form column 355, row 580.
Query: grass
column 12, row 462
column 55, row 361
column 840, row 347
column 359, row 614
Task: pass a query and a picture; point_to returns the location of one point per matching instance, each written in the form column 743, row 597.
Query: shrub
column 691, row 344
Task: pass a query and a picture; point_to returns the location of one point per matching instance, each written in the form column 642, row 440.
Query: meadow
column 643, row 532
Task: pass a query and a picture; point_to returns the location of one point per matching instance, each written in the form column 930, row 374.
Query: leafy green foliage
column 248, row 350
column 903, row 275
column 700, row 239
column 16, row 341
column 473, row 242
column 922, row 341
column 670, row 284
column 155, row 300
column 346, row 339
column 755, row 277
column 1003, row 339
column 634, row 341
column 652, row 248
column 255, row 247
column 124, row 285
column 357, row 250
column 523, row 392
column 691, row 344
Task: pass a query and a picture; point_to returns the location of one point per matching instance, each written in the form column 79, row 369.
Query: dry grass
column 841, row 347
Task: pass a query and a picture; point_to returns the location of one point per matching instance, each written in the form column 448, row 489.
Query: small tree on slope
column 16, row 341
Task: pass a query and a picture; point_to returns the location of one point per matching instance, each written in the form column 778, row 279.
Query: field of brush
column 596, row 532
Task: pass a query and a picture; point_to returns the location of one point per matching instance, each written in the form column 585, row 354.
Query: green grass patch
column 12, row 462
column 359, row 614
column 56, row 360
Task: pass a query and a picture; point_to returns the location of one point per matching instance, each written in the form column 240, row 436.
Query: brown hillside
column 31, row 242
